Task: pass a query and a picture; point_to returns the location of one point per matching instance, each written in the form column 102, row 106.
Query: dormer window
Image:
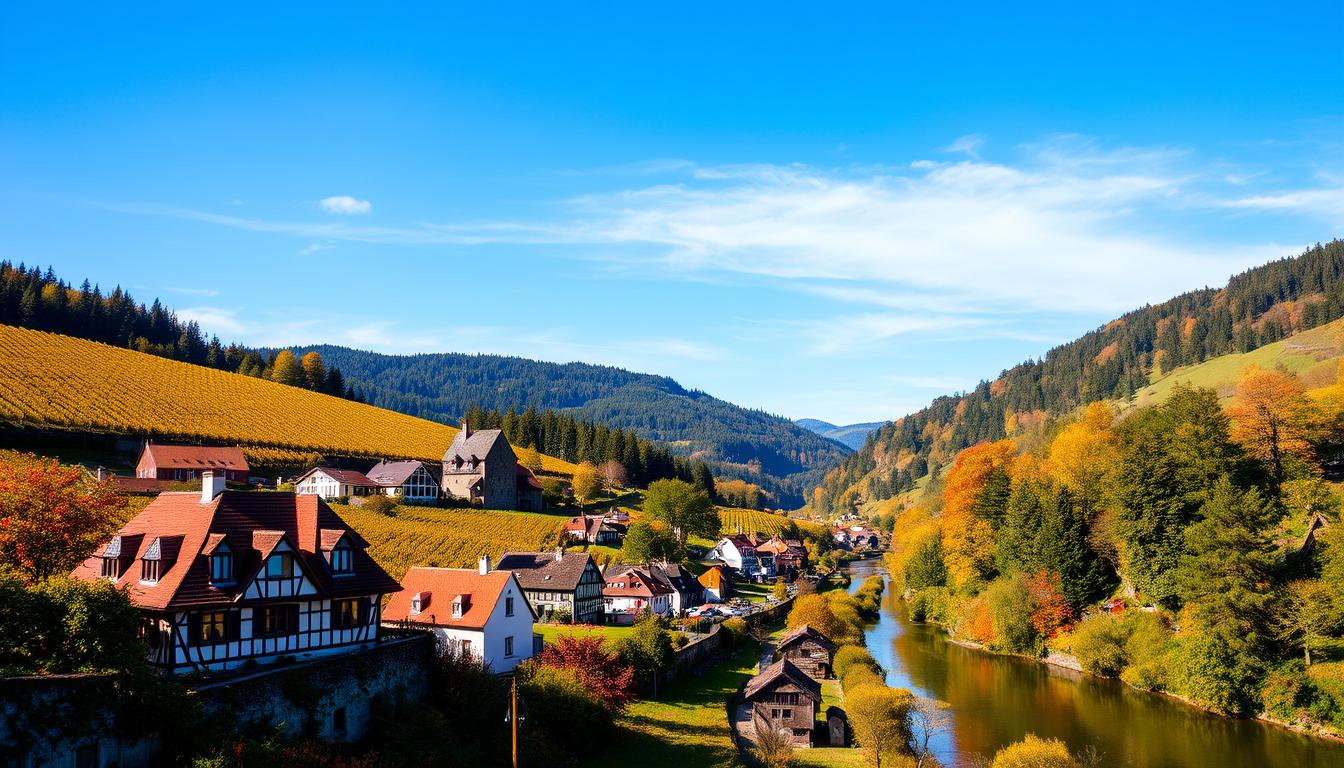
column 280, row 566
column 419, row 602
column 112, row 560
column 151, row 563
column 461, row 604
column 221, row 565
column 342, row 559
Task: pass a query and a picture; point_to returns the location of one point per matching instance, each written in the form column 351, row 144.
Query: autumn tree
column 285, row 369
column 774, row 747
column 928, row 718
column 614, row 475
column 1274, row 419
column 587, row 483
column 1035, row 752
column 530, row 457
column 686, row 509
column 645, row 543
column 1306, row 615
column 602, row 672
column 968, row 534
column 880, row 718
column 53, row 517
column 1084, row 455
column 1050, row 610
column 314, row 371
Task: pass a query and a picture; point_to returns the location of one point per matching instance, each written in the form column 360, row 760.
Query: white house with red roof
column 631, row 590
column 227, row 577
column 481, row 612
column 332, row 483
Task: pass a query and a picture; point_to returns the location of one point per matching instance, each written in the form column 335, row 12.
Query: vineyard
column 755, row 521
column 53, row 381
column 449, row 538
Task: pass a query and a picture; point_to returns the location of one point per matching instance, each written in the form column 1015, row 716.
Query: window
column 275, row 620
column 210, row 627
column 338, row 721
column 221, row 565
column 774, row 713
column 508, row 645
column 786, row 713
column 280, row 566
column 111, row 568
column 457, row 609
column 342, row 559
column 508, row 608
column 349, row 613
column 149, row 570
column 466, row 647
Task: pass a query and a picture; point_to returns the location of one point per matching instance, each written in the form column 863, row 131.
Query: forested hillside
column 771, row 451
column 852, row 435
column 1257, row 307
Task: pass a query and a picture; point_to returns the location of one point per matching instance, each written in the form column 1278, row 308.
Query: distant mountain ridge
column 769, row 450
column 852, row 435
column 1114, row 362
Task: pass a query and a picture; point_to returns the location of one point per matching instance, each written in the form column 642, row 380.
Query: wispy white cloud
column 215, row 320
column 968, row 145
column 344, row 204
column 193, row 291
column 311, row 248
column 1327, row 202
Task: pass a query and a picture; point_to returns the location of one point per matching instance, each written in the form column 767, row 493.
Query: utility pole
column 513, row 711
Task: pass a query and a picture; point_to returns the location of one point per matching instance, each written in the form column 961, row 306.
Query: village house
column 809, row 650
column 784, row 698
column 789, row 555
column 632, row 590
column 227, row 578
column 187, row 462
column 476, row 612
column 855, row 538
column 332, row 483
column 740, row 553
column 480, row 467
column 717, row 583
column 409, row 480
column 595, row 529
column 559, row 582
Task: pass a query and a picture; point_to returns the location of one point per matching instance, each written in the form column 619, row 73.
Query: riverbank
column 996, row 698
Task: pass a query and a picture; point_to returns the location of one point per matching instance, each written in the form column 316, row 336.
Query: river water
column 996, row 700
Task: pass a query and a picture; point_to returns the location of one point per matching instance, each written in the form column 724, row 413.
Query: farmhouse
column 411, row 480
column 631, row 590
column 331, row 483
column 481, row 467
column 480, row 612
column 187, row 462
column 784, row 698
column 740, row 553
column 227, row 577
column 558, row 582
column 808, row 650
column 717, row 582
column 789, row 555
column 595, row 529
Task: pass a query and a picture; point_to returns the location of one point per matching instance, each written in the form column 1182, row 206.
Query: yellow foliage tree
column 880, row 718
column 1273, row 418
column 1035, row 752
column 587, row 482
column 1084, row 454
column 968, row 539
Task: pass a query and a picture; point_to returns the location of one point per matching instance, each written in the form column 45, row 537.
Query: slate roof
column 181, row 528
column 196, row 457
column 438, row 586
column 780, row 672
column 393, row 473
column 540, row 570
column 478, row 444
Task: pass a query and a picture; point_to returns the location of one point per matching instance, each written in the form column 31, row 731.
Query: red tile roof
column 196, row 457
column 715, row 577
column 439, row 586
column 526, row 478
column 240, row 518
column 144, row 485
column 634, row 582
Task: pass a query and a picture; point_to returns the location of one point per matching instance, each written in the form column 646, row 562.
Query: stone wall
column 61, row 721
column 694, row 654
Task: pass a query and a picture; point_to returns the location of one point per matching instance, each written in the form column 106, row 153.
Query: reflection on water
column 998, row 699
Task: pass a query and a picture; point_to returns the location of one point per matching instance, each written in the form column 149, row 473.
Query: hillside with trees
column 739, row 443
column 1113, row 363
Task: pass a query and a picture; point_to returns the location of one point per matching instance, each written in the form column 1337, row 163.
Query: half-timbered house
column 559, row 582
column 225, row 578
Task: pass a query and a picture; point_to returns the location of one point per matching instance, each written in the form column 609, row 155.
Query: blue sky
column 823, row 211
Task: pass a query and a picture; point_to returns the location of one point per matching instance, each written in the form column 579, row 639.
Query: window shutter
column 233, row 621
column 194, row 629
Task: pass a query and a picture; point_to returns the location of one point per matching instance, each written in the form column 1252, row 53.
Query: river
column 995, row 700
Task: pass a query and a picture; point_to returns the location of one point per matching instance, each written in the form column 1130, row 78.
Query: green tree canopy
column 686, row 509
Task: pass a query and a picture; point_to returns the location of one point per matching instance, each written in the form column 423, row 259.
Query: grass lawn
column 756, row 593
column 552, row 632
column 687, row 727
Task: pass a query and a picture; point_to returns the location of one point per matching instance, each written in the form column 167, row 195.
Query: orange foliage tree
column 52, row 516
column 968, row 538
column 1273, row 418
column 1050, row 611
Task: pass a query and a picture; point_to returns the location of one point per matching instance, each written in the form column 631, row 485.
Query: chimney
column 484, row 564
column 466, row 428
column 101, row 473
column 559, row 554
column 212, row 484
